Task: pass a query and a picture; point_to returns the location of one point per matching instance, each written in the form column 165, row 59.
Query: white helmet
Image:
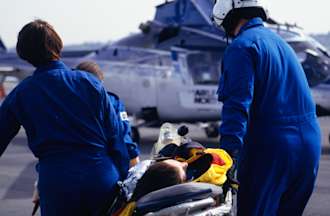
column 222, row 8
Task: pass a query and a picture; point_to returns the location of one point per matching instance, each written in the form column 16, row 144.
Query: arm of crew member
column 9, row 126
column 112, row 126
column 116, row 148
column 132, row 147
column 236, row 92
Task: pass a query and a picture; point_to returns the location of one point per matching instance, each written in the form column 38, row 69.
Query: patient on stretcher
column 191, row 162
column 180, row 173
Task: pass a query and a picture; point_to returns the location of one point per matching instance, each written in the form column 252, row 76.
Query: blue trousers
column 76, row 184
column 278, row 168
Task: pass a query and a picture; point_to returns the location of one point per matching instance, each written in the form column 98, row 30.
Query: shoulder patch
column 123, row 116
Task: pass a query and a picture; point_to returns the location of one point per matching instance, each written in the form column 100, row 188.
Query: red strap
column 217, row 160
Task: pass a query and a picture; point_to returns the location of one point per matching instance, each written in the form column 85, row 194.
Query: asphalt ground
column 17, row 172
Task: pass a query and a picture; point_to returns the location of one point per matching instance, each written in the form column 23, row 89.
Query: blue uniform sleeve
column 132, row 147
column 236, row 88
column 116, row 149
column 9, row 125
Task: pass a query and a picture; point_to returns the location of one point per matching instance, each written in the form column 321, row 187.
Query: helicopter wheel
column 212, row 131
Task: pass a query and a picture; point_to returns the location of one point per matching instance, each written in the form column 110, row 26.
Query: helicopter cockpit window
column 204, row 67
column 300, row 46
column 314, row 61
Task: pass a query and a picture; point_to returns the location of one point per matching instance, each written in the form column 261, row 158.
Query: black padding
column 174, row 195
column 168, row 151
column 198, row 167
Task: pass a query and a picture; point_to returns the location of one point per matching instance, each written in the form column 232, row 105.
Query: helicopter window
column 300, row 49
column 300, row 46
column 319, row 47
column 204, row 67
column 315, row 69
column 311, row 58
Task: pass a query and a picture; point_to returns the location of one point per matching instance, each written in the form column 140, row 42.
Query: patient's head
column 91, row 67
column 160, row 175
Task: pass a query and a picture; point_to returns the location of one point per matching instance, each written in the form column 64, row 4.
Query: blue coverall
column 269, row 117
column 73, row 130
column 124, row 124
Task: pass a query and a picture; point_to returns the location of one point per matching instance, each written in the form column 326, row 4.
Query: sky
column 79, row 21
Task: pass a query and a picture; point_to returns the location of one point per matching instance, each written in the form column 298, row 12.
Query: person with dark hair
column 268, row 116
column 160, row 175
column 125, row 127
column 38, row 43
column 71, row 127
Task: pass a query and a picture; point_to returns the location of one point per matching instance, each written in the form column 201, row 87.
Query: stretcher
column 192, row 198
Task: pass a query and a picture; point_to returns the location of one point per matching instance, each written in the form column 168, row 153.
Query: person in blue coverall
column 125, row 127
column 71, row 127
column 268, row 117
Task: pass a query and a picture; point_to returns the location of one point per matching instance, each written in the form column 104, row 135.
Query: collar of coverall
column 51, row 66
column 257, row 21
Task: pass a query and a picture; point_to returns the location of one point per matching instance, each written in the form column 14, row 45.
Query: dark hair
column 38, row 43
column 158, row 176
column 91, row 67
column 234, row 16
